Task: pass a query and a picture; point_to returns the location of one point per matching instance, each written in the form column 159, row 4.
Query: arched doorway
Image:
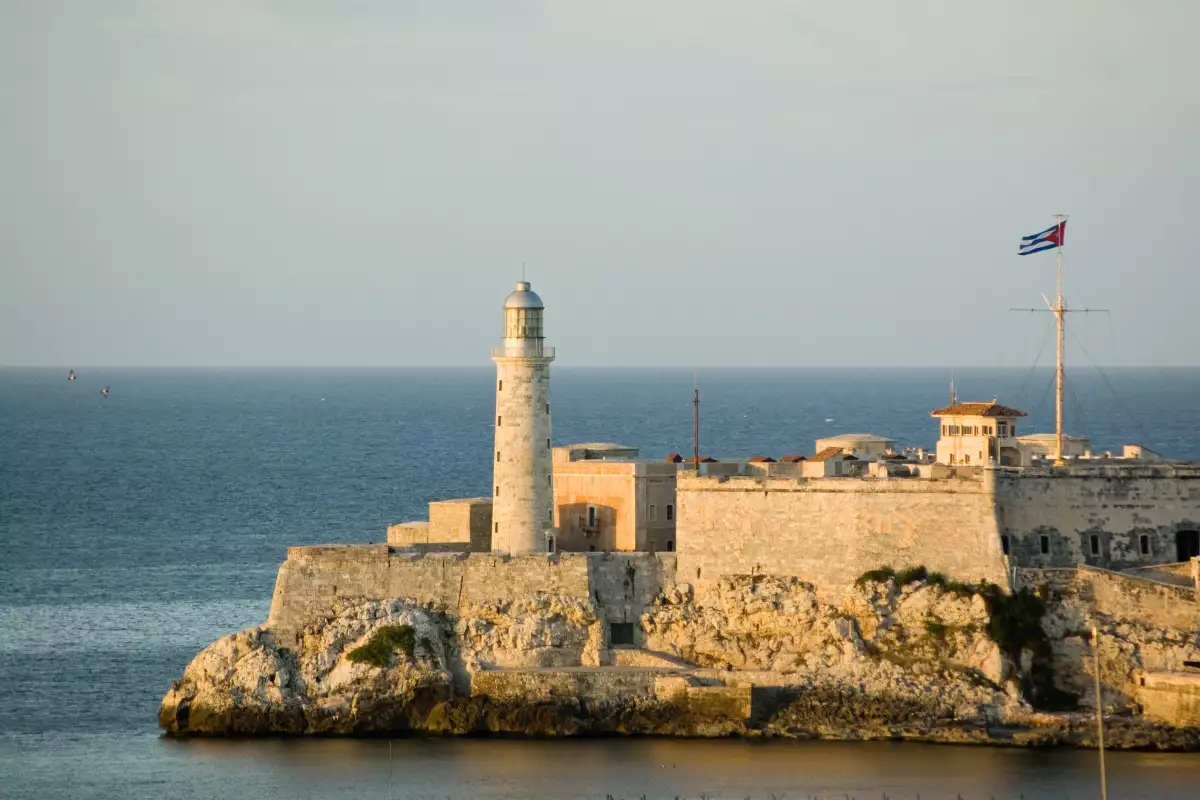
column 1187, row 544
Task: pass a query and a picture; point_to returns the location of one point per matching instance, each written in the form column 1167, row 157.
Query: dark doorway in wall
column 620, row 633
column 1187, row 544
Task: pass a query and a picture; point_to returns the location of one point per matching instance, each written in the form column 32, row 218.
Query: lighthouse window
column 547, row 443
column 670, row 512
column 497, row 490
column 497, row 456
column 498, row 422
column 1145, row 544
column 1045, row 544
column 495, row 527
column 547, row 408
column 499, row 386
column 1004, row 543
column 1095, row 545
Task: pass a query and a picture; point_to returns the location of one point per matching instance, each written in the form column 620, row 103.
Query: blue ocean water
column 137, row 528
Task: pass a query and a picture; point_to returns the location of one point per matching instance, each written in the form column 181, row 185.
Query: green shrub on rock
column 380, row 648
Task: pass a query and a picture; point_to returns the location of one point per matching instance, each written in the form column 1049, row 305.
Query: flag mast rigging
column 1060, row 317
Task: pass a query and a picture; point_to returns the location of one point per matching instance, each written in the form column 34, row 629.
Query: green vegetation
column 382, row 646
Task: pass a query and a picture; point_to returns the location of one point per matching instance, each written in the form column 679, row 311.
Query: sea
column 137, row 528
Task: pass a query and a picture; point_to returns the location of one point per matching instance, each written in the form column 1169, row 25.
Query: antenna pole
column 695, row 425
column 1060, row 318
column 1099, row 713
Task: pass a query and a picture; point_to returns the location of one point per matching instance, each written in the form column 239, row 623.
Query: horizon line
column 69, row 367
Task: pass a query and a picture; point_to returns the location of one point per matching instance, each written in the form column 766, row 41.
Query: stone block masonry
column 314, row 580
column 828, row 531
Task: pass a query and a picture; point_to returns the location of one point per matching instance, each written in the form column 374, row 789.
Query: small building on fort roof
column 858, row 444
column 1042, row 446
column 607, row 499
column 979, row 433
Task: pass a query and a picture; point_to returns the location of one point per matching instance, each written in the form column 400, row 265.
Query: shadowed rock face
column 911, row 661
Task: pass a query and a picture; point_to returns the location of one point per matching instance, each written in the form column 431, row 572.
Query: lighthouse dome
column 523, row 297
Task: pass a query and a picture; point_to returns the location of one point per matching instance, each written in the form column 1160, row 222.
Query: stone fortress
column 661, row 562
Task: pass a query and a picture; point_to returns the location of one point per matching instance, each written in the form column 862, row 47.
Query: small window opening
column 1144, row 542
column 653, row 513
column 1004, row 543
column 1045, row 544
column 497, row 490
column 1095, row 545
column 547, row 408
column 591, row 517
column 498, row 418
column 497, row 456
column 547, row 444
column 499, row 386
column 592, row 548
column 549, row 544
column 670, row 545
column 495, row 527
column 670, row 512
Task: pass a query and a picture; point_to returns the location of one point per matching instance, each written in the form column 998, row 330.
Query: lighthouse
column 523, row 493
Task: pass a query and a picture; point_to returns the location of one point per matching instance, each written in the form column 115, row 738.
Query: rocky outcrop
column 900, row 657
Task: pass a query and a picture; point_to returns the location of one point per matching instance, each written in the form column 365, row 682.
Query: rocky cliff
column 902, row 656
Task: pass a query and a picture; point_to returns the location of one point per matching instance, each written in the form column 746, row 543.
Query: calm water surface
column 137, row 529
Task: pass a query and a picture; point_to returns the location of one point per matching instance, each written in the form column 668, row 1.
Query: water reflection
column 594, row 768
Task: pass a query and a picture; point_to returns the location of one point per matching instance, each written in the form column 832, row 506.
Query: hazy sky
column 693, row 182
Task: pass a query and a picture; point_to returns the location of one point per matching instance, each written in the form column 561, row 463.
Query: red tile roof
column 977, row 410
column 762, row 460
column 826, row 454
column 674, row 458
column 793, row 459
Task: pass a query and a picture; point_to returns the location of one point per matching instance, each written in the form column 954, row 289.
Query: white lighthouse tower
column 523, row 495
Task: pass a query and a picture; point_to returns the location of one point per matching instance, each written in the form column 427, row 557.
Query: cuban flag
column 1046, row 240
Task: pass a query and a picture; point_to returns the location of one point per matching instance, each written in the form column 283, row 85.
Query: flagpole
column 1060, row 317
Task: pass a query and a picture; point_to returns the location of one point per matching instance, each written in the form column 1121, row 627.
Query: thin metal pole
column 1099, row 713
column 695, row 425
column 1060, row 317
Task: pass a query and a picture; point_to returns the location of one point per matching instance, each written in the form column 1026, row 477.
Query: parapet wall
column 313, row 579
column 828, row 531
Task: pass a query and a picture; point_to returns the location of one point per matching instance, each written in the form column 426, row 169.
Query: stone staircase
column 629, row 656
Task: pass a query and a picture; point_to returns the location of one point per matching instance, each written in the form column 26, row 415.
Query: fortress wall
column 828, row 531
column 1117, row 503
column 624, row 584
column 313, row 579
column 1126, row 598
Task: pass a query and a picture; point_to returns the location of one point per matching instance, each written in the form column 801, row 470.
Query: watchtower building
column 978, row 433
column 523, row 491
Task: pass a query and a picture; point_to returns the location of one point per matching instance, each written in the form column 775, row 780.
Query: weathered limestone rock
column 754, row 655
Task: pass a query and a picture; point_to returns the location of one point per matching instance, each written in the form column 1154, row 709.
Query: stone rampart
column 828, row 531
column 314, row 579
column 1125, row 597
column 1171, row 697
column 1118, row 504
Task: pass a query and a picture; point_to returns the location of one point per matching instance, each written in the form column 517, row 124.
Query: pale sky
column 690, row 182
